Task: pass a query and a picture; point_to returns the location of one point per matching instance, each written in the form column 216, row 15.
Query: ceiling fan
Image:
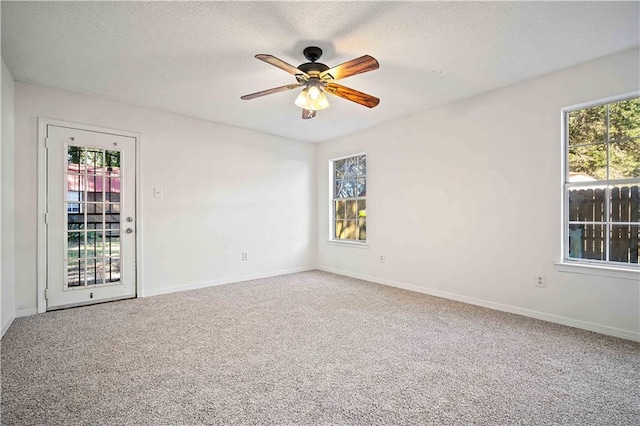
column 318, row 78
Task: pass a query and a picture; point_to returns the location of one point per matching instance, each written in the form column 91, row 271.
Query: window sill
column 348, row 244
column 602, row 271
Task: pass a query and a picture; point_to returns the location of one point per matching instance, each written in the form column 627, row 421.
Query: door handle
column 129, row 230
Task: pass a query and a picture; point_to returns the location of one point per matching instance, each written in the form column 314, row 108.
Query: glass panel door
column 93, row 182
column 91, row 210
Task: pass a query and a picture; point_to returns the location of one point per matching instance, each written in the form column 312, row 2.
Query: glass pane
column 587, row 125
column 625, row 203
column 624, row 159
column 112, row 221
column 362, row 166
column 95, row 188
column 75, row 273
column 112, row 243
column 75, row 245
column 112, row 208
column 95, row 271
column 95, row 208
column 350, row 188
column 95, row 161
column 340, row 209
column 351, row 229
column 113, row 189
column 624, row 119
column 95, row 221
column 362, row 209
column 76, row 184
column 112, row 270
column 75, row 159
column 361, row 188
column 624, row 243
column 338, row 167
column 352, row 209
column 95, row 215
column 587, row 205
column 340, row 229
column 74, row 208
column 587, row 242
column 75, row 222
column 95, row 244
column 338, row 193
column 113, row 163
column 587, row 163
column 362, row 229
column 345, row 188
column 74, row 196
column 351, row 168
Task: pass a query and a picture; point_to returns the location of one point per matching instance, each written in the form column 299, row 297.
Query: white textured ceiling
column 196, row 58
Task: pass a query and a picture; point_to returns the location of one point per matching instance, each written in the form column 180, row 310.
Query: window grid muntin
column 607, row 183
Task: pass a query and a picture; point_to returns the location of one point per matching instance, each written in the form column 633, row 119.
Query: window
column 349, row 202
column 602, row 178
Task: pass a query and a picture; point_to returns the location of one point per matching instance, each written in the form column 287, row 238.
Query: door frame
column 41, row 254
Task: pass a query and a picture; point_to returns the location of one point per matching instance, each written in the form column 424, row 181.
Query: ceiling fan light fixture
column 312, row 98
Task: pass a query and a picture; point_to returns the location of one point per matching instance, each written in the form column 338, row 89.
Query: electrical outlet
column 541, row 281
column 245, row 256
column 382, row 258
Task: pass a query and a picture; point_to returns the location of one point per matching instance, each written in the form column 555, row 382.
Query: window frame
column 591, row 266
column 332, row 199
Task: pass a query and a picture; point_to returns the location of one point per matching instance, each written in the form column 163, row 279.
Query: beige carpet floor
column 311, row 348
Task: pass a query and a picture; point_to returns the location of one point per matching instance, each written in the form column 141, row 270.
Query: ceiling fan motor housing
column 313, row 68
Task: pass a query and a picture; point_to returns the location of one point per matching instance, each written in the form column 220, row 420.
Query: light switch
column 157, row 191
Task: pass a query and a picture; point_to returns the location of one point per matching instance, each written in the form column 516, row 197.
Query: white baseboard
column 603, row 329
column 26, row 312
column 8, row 323
column 195, row 286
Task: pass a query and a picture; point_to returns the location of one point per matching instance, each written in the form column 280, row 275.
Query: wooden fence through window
column 588, row 241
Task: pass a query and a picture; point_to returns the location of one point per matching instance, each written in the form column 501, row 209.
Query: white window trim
column 598, row 270
column 353, row 243
column 332, row 223
column 585, row 266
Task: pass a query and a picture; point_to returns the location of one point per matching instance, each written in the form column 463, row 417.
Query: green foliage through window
column 592, row 131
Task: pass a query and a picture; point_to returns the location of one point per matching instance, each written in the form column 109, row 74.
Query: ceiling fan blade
column 270, row 91
column 352, row 95
column 355, row 66
column 270, row 59
column 307, row 114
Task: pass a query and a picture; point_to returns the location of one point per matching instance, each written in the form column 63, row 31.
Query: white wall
column 464, row 201
column 226, row 190
column 7, row 276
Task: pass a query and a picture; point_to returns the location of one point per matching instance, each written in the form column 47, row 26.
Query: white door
column 91, row 217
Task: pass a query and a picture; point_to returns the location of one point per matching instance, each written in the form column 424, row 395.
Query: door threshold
column 90, row 303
